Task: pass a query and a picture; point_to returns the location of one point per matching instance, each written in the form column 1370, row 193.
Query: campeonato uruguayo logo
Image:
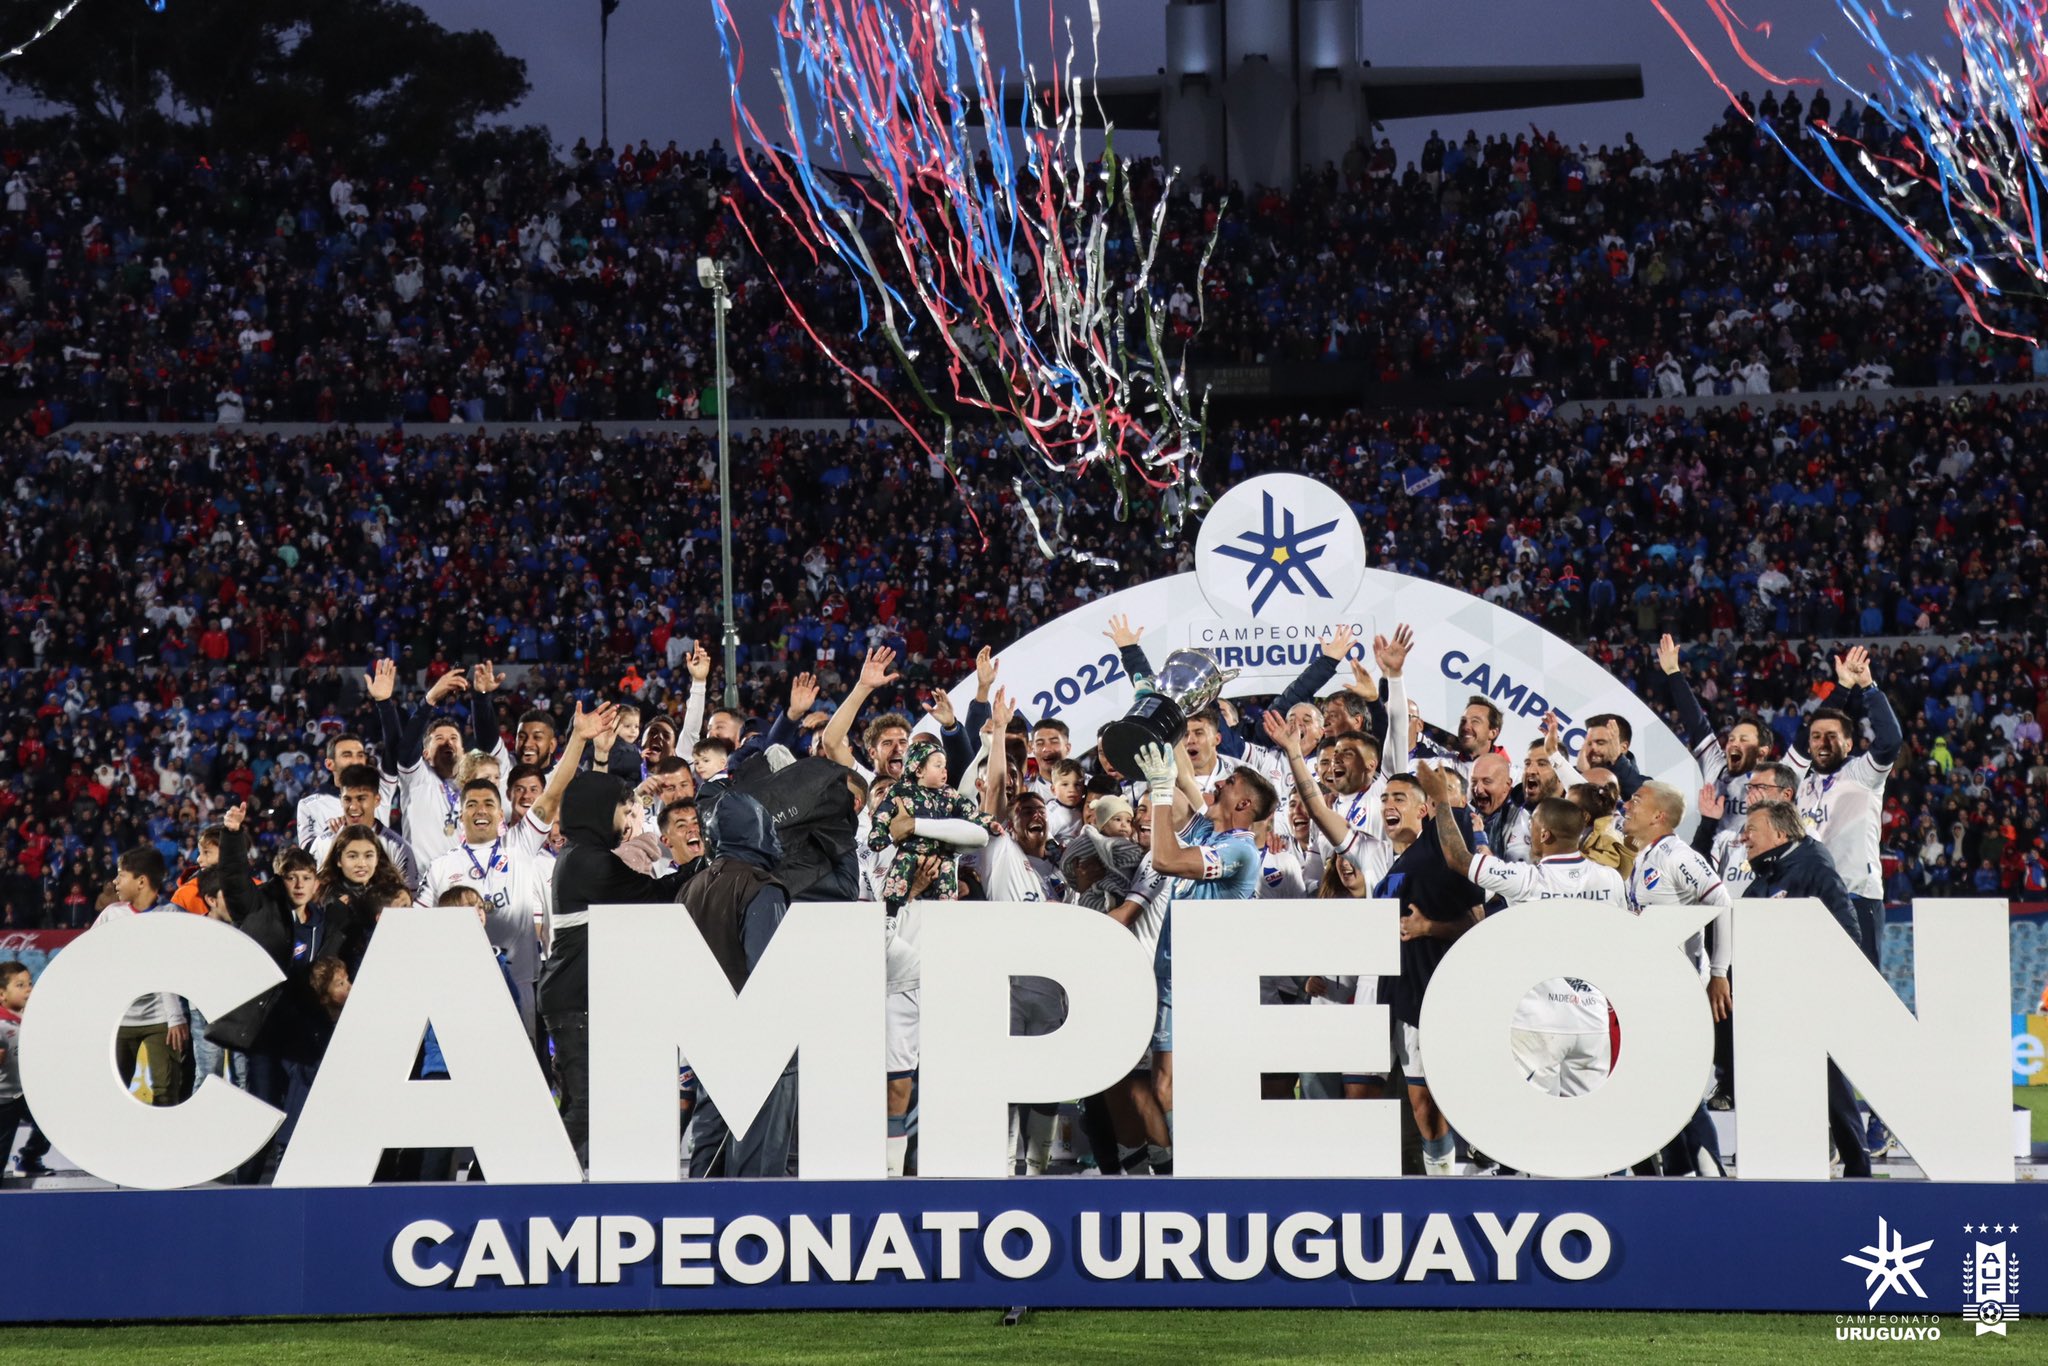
column 1280, row 544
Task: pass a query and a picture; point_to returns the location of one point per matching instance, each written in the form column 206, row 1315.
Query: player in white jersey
column 1670, row 872
column 1305, row 716
column 515, row 886
column 360, row 787
column 1014, row 866
column 428, row 752
column 320, row 813
column 1358, row 767
column 1559, row 1032
column 1727, row 764
column 1841, row 791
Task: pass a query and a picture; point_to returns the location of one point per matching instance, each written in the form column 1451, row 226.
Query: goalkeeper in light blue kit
column 1212, row 856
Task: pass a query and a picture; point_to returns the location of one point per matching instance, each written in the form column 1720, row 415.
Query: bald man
column 1505, row 820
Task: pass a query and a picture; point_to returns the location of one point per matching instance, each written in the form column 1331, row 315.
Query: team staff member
column 1785, row 862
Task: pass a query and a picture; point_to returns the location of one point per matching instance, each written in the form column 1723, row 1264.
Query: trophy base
column 1155, row 719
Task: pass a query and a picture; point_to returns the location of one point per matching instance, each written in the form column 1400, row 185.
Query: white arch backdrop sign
column 1280, row 563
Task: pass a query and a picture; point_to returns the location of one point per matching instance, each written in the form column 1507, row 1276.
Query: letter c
column 405, row 1253
column 67, row 1051
column 1454, row 662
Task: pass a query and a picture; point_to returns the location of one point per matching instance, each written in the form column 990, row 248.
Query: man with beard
column 1354, row 765
column 1841, row 796
column 514, row 886
column 1725, row 764
column 1540, row 778
column 535, row 797
column 886, row 737
column 1478, row 727
column 1841, row 791
column 1608, row 737
column 534, row 740
column 428, row 751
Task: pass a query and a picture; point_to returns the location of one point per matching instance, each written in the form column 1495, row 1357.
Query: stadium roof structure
column 1253, row 90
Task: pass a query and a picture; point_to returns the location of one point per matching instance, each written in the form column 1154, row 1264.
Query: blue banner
column 1854, row 1248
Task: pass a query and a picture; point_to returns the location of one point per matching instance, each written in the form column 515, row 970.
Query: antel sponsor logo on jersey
column 1280, row 540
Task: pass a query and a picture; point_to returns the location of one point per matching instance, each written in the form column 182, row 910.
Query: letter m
column 656, row 991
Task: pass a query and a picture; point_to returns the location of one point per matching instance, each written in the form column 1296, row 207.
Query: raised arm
column 1450, row 824
column 1320, row 669
column 1169, row 855
column 234, row 865
column 874, row 673
column 1692, row 721
column 1126, row 637
column 1886, row 737
column 985, row 667
column 995, row 796
column 698, row 662
column 584, row 728
column 1306, row 789
column 381, row 679
column 412, row 736
column 483, row 713
column 953, row 736
column 1391, row 654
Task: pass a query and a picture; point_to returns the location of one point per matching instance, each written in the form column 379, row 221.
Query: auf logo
column 1891, row 1263
column 1279, row 556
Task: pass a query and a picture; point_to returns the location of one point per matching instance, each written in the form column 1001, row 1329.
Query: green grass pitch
column 1097, row 1337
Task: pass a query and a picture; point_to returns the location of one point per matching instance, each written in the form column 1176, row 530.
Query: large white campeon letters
column 1806, row 996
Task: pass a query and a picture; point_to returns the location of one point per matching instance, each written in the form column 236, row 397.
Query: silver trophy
column 1187, row 684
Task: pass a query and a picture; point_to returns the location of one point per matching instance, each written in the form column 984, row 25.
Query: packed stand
column 169, row 285
column 187, row 616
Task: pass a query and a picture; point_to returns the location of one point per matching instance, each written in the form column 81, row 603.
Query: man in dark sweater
column 599, row 813
column 737, row 903
column 1787, row 862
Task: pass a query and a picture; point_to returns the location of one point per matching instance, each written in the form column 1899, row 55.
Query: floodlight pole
column 720, row 303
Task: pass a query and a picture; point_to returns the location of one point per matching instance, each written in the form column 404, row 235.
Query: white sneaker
column 1439, row 1167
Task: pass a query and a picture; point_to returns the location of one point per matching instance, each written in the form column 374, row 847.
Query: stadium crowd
column 186, row 616
column 293, row 681
column 174, row 285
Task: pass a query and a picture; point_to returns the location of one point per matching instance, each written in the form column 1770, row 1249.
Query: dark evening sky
column 667, row 80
